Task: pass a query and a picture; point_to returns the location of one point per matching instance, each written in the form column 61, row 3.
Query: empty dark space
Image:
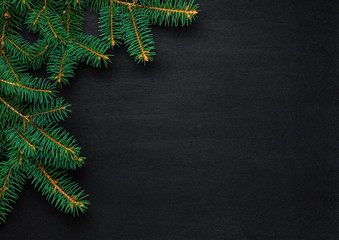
column 229, row 134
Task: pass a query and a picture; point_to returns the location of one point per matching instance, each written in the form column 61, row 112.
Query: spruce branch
column 19, row 47
column 61, row 66
column 90, row 49
column 13, row 140
column 46, row 112
column 53, row 140
column 12, row 180
column 137, row 35
column 32, row 144
column 168, row 12
column 27, row 90
column 58, row 188
column 5, row 19
column 54, row 111
column 39, row 54
column 9, row 64
column 109, row 24
column 39, row 14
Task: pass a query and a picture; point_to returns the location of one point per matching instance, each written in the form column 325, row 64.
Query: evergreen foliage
column 32, row 144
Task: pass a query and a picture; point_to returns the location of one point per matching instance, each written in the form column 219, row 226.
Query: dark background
column 229, row 134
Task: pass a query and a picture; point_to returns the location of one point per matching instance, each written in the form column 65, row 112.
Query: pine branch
column 50, row 24
column 40, row 130
column 11, row 109
column 39, row 15
column 168, row 12
column 31, row 142
column 13, row 141
column 39, row 54
column 73, row 18
column 4, row 25
column 111, row 23
column 61, row 66
column 9, row 64
column 109, row 18
column 52, row 112
column 25, row 87
column 137, row 35
column 56, row 30
column 18, row 47
column 47, row 112
column 34, row 146
column 58, row 189
column 11, row 181
column 58, row 150
column 27, row 90
column 90, row 49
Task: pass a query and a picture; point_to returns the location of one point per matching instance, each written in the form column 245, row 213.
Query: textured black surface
column 229, row 134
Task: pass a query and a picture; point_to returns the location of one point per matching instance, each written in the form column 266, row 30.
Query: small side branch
column 46, row 112
column 79, row 159
column 92, row 51
column 68, row 17
column 136, row 5
column 25, row 140
column 60, row 75
column 143, row 52
column 2, row 38
column 53, row 31
column 39, row 15
column 111, row 22
column 40, row 53
column 22, row 86
column 4, row 187
column 72, row 199
column 33, row 124
column 19, row 48
column 10, row 66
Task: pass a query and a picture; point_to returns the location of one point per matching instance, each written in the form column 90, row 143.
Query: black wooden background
column 229, row 134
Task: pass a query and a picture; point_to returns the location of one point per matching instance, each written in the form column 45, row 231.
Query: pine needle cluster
column 33, row 146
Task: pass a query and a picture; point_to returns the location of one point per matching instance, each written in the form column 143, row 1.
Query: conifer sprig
column 58, row 188
column 32, row 144
column 12, row 179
